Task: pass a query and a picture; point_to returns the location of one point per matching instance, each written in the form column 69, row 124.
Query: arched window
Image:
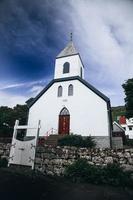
column 64, row 111
column 60, row 90
column 66, row 67
column 70, row 90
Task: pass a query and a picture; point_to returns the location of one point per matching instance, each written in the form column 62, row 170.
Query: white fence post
column 38, row 131
column 14, row 135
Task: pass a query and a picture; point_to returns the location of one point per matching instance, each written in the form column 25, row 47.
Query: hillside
column 118, row 111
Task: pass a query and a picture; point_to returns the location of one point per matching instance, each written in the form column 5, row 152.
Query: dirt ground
column 19, row 185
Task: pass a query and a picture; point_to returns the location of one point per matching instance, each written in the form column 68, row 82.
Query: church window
column 70, row 90
column 64, row 111
column 130, row 128
column 60, row 90
column 66, row 67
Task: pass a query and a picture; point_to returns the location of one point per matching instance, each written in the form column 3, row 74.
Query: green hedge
column 112, row 174
column 77, row 141
column 129, row 142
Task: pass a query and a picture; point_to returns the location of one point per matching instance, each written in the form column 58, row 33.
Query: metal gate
column 23, row 149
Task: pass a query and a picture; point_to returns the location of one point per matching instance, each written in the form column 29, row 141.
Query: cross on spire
column 69, row 49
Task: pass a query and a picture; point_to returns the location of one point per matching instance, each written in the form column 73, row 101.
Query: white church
column 70, row 105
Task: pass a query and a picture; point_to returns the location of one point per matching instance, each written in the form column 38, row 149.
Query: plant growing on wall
column 77, row 141
column 112, row 174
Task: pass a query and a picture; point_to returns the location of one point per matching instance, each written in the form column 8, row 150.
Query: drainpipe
column 110, row 122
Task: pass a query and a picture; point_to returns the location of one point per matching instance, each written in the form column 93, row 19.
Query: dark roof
column 69, row 79
column 119, row 126
column 69, row 50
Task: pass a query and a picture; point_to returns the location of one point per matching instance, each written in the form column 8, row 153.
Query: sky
column 33, row 32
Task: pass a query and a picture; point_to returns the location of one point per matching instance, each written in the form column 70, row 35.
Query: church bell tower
column 68, row 63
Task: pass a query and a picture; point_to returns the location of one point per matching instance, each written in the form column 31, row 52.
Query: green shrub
column 89, row 142
column 129, row 142
column 81, row 171
column 78, row 170
column 3, row 162
column 77, row 141
column 112, row 174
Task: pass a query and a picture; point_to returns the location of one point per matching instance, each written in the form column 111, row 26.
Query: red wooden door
column 64, row 124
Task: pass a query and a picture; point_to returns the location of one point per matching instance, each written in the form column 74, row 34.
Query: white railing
column 51, row 131
column 17, row 126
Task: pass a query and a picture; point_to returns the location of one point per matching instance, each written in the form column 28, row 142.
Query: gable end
column 105, row 98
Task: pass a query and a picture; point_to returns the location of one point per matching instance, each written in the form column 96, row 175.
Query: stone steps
column 52, row 140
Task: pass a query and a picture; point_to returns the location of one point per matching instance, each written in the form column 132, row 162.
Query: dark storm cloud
column 30, row 32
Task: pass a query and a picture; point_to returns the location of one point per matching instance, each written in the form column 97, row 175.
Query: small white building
column 119, row 138
column 70, row 105
column 127, row 125
column 117, row 128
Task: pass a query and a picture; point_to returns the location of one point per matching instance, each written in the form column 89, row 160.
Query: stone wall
column 117, row 142
column 102, row 141
column 54, row 160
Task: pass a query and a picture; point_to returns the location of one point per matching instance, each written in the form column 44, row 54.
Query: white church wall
column 88, row 112
column 75, row 65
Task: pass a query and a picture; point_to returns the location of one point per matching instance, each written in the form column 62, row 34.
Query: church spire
column 69, row 49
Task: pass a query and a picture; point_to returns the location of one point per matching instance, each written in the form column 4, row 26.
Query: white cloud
column 106, row 31
column 36, row 89
column 4, row 86
column 9, row 86
column 10, row 100
column 32, row 89
column 35, row 85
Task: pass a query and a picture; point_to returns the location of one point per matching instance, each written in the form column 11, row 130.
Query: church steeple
column 68, row 62
column 69, row 50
